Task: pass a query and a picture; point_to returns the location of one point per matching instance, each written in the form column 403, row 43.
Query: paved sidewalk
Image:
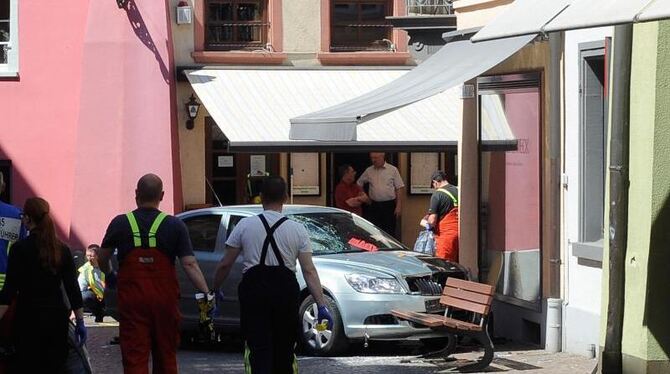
column 379, row 358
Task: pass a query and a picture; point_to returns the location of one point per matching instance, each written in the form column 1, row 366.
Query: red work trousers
column 446, row 238
column 149, row 312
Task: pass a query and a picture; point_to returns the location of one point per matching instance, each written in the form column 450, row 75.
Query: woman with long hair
column 42, row 277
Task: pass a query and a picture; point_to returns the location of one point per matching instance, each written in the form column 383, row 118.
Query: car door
column 230, row 307
column 206, row 233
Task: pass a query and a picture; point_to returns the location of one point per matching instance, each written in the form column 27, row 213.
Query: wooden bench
column 463, row 295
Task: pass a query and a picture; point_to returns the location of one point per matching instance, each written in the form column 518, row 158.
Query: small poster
column 421, row 168
column 225, row 161
column 306, row 174
column 257, row 165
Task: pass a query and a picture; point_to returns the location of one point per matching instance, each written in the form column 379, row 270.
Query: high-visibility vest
column 137, row 236
column 98, row 288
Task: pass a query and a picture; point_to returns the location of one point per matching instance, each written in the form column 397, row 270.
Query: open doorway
column 358, row 160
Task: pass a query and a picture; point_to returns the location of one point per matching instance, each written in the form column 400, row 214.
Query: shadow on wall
column 140, row 29
column 657, row 308
column 22, row 190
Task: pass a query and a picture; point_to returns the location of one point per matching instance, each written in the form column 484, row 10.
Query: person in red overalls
column 443, row 217
column 148, row 241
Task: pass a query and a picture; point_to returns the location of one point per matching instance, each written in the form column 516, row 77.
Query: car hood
column 403, row 263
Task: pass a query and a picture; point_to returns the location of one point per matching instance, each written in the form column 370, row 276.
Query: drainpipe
column 553, row 335
column 618, row 188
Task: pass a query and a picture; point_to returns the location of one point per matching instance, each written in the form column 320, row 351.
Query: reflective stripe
column 295, row 365
column 154, row 229
column 137, row 239
column 247, row 363
column 455, row 200
column 2, row 280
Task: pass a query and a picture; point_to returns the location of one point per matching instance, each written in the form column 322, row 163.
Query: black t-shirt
column 171, row 238
column 35, row 286
column 441, row 203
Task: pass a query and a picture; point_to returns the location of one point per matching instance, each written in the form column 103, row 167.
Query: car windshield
column 344, row 232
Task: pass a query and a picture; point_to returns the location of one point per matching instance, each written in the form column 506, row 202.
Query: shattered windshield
column 344, row 232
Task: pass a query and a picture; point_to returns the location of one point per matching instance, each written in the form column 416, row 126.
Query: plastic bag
column 425, row 243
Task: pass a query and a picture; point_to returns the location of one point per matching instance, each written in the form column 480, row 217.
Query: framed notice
column 421, row 168
column 305, row 171
column 257, row 165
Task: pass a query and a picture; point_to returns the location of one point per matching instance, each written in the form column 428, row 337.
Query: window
column 203, row 231
column 232, row 222
column 9, row 48
column 593, row 134
column 236, row 25
column 361, row 26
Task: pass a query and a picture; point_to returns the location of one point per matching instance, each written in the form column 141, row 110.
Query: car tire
column 337, row 341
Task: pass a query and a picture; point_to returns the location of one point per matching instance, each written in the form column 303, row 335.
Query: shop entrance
column 358, row 160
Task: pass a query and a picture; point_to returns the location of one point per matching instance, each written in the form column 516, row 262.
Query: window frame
column 264, row 23
column 359, row 47
column 400, row 56
column 11, row 68
column 273, row 56
column 219, row 232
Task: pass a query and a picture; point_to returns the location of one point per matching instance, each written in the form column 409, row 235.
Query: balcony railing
column 429, row 7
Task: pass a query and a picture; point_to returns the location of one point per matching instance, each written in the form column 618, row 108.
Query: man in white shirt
column 385, row 192
column 269, row 291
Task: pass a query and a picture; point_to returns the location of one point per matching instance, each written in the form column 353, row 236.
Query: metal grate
column 426, row 286
column 429, row 7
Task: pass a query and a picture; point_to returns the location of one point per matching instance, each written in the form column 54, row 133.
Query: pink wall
column 514, row 185
column 92, row 110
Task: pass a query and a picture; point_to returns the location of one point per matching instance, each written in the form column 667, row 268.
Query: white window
column 9, row 38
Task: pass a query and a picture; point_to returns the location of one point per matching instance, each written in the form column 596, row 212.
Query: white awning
column 452, row 65
column 527, row 17
column 253, row 108
column 523, row 17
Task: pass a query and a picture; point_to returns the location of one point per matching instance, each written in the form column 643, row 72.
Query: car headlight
column 370, row 284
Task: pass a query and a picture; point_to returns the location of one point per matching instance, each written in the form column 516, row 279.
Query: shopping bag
column 425, row 243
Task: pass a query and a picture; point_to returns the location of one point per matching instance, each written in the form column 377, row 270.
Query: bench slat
column 465, row 305
column 430, row 320
column 468, row 296
column 454, row 323
column 470, row 286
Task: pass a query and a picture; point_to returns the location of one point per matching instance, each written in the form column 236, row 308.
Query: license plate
column 434, row 306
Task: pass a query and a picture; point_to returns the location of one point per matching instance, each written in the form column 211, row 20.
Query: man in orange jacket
column 443, row 217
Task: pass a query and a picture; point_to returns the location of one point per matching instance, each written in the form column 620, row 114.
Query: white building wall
column 581, row 312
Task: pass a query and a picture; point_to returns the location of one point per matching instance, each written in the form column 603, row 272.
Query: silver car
column 365, row 274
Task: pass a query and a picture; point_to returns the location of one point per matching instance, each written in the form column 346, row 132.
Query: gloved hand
column 217, row 305
column 80, row 331
column 206, row 305
column 324, row 313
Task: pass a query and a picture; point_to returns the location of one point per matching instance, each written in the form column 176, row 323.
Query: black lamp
column 192, row 107
column 121, row 3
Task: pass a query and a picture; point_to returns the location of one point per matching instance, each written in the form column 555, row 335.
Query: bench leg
column 485, row 340
column 446, row 351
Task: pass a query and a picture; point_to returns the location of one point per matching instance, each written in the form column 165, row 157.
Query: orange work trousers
column 149, row 312
column 446, row 237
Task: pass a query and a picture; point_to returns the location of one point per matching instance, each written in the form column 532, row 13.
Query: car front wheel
column 329, row 342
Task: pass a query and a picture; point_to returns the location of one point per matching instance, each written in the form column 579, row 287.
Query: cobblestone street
column 377, row 358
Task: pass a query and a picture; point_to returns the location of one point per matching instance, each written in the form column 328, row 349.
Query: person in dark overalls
column 269, row 291
column 148, row 242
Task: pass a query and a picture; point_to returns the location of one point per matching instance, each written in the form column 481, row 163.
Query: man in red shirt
column 348, row 194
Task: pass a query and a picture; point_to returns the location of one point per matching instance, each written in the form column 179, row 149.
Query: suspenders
column 137, row 237
column 270, row 240
column 453, row 198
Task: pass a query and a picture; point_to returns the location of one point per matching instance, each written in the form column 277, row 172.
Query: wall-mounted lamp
column 184, row 13
column 121, row 3
column 192, row 107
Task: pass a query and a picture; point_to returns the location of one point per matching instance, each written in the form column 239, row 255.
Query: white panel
column 253, row 107
column 659, row 9
column 449, row 67
column 524, row 17
column 593, row 13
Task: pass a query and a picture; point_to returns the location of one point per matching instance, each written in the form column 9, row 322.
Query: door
column 358, row 160
column 206, row 233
